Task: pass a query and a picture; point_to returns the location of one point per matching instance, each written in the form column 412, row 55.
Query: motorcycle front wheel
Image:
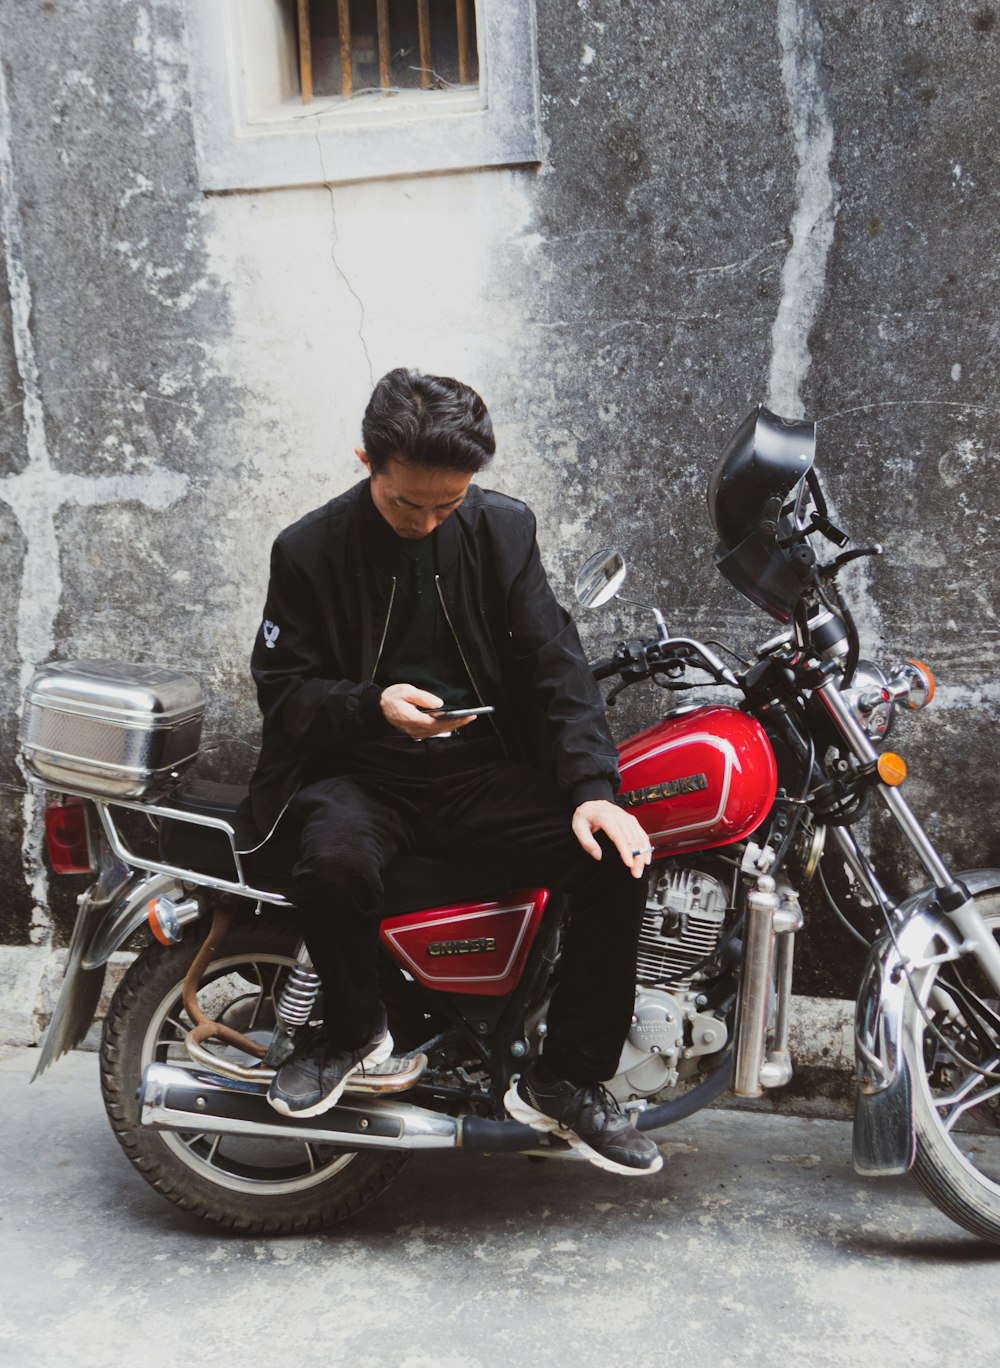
column 254, row 1186
column 951, row 1041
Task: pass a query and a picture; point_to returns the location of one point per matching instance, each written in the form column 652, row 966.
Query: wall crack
column 334, row 244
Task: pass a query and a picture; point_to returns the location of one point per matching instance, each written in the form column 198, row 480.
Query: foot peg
column 395, row 1075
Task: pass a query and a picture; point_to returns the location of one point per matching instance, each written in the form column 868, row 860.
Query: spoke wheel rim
column 287, row 1166
column 967, row 1093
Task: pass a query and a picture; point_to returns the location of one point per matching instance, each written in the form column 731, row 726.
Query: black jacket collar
column 383, row 549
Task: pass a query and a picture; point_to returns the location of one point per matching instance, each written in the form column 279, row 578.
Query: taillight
column 67, row 837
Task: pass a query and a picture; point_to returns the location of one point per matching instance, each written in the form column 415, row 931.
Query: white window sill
column 253, row 132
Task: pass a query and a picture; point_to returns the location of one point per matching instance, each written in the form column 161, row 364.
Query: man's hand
column 620, row 826
column 401, row 704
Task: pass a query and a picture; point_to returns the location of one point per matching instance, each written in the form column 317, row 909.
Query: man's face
column 415, row 499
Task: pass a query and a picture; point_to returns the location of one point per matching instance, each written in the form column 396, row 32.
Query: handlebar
column 604, row 668
column 638, row 660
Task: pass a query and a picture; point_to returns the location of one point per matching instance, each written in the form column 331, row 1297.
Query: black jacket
column 325, row 619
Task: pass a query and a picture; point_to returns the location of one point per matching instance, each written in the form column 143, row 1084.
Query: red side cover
column 470, row 948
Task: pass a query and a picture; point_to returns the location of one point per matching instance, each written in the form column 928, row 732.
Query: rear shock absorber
column 295, row 1007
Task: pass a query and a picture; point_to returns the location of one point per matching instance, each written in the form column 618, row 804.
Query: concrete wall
column 791, row 201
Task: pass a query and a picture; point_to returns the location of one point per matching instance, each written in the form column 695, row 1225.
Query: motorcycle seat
column 412, row 881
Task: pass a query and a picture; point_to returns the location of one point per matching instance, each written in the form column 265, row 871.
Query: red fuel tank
column 702, row 778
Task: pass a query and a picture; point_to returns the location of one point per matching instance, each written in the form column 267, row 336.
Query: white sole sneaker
column 530, row 1116
column 378, row 1055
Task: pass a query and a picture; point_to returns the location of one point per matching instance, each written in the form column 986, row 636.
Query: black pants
column 456, row 796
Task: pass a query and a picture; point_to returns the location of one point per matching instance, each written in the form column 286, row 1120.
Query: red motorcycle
column 739, row 801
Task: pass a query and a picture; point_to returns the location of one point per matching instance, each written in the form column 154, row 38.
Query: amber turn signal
column 891, row 768
column 919, row 701
column 167, row 919
column 921, row 686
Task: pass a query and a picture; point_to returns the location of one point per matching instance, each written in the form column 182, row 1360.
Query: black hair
column 430, row 420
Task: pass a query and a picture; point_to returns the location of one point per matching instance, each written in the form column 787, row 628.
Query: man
column 416, row 591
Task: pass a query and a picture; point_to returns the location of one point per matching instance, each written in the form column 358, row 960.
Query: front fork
column 952, row 895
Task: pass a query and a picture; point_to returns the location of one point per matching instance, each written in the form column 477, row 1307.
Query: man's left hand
column 619, row 826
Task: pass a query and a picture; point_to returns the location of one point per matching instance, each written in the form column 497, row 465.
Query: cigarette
column 643, row 850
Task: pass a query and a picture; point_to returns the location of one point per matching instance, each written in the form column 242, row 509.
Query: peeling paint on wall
column 38, row 530
column 202, row 362
column 804, row 273
column 34, row 495
column 803, row 276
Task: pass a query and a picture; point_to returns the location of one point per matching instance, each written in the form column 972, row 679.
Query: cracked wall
column 793, row 201
column 112, row 398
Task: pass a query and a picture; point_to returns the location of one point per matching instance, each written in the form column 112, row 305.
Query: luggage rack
column 240, row 886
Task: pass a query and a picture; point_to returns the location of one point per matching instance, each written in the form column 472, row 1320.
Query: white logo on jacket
column 271, row 630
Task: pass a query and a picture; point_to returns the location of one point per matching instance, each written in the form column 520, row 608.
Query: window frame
column 252, row 131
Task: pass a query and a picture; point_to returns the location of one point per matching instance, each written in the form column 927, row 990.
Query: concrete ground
column 756, row 1244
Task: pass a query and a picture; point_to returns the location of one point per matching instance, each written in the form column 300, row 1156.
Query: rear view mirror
column 600, row 578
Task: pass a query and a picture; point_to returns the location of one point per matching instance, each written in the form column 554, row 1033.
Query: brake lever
column 622, row 684
column 633, row 664
column 686, row 651
column 828, row 571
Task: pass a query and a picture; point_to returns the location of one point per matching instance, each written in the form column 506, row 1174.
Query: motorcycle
column 739, row 799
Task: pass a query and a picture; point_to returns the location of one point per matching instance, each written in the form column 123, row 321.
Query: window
column 385, row 46
column 301, row 92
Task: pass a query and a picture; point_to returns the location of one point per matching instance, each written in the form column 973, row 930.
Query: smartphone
column 447, row 713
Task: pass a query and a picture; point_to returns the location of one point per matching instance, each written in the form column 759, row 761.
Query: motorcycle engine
column 681, row 928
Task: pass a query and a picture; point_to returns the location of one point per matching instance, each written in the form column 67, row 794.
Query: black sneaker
column 313, row 1078
column 588, row 1118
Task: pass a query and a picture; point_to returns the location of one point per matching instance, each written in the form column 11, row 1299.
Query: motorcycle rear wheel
column 266, row 1187
column 957, row 1110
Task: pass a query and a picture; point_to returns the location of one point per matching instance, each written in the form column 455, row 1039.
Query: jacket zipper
column 468, row 668
column 385, row 629
column 252, row 850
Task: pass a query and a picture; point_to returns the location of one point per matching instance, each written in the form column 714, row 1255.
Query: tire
column 265, row 1187
column 957, row 1111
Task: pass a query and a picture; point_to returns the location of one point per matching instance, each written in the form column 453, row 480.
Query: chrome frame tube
column 240, row 886
column 893, row 799
column 977, row 937
column 755, row 988
column 228, row 1068
column 784, row 961
column 716, row 666
column 852, row 853
column 965, row 918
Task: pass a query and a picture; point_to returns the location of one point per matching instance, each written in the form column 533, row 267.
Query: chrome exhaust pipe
column 178, row 1099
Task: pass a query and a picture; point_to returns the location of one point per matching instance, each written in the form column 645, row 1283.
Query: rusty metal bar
column 205, row 1028
column 426, row 57
column 462, row 21
column 346, row 66
column 305, row 53
column 384, row 62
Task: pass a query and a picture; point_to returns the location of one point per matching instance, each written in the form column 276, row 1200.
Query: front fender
column 884, row 1138
column 102, row 925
